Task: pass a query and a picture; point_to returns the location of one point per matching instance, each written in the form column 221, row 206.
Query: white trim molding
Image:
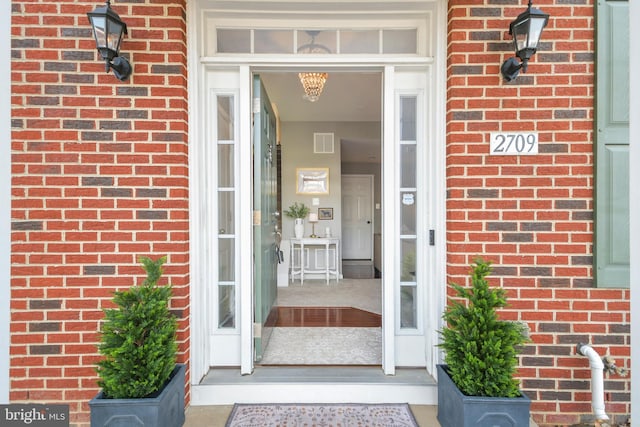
column 5, row 199
column 634, row 211
column 204, row 70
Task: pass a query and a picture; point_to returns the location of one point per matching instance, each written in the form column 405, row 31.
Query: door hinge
column 432, row 237
column 257, row 217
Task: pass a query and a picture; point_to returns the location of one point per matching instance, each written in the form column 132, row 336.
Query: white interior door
column 357, row 217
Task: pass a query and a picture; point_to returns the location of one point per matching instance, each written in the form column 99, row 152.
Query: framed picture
column 312, row 180
column 325, row 213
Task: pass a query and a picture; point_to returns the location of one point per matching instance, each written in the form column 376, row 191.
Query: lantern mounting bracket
column 526, row 30
column 108, row 31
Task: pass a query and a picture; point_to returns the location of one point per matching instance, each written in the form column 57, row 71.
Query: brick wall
column 533, row 215
column 99, row 178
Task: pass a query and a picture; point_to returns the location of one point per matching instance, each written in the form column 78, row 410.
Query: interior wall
column 297, row 152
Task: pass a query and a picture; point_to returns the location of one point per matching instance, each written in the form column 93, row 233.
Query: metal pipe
column 597, row 380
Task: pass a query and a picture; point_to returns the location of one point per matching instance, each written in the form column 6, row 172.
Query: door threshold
column 315, row 384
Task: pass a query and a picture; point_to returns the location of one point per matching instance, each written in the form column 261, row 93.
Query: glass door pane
column 225, row 227
column 408, row 204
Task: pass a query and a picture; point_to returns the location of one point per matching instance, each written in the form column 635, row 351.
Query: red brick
column 528, row 195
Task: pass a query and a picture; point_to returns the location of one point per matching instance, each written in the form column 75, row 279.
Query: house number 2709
column 507, row 143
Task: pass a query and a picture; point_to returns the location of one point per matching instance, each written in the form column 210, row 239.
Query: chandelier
column 313, row 83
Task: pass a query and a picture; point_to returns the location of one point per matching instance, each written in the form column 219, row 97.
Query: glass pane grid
column 226, row 306
column 400, row 41
column 407, row 200
column 231, row 40
column 360, row 41
column 326, row 41
column 408, row 307
column 225, row 252
column 273, row 41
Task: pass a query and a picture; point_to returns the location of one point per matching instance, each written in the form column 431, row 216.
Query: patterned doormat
column 321, row 415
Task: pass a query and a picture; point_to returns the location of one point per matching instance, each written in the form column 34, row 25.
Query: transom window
column 325, row 42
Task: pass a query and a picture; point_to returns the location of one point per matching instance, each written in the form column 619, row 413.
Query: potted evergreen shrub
column 298, row 211
column 476, row 386
column 141, row 383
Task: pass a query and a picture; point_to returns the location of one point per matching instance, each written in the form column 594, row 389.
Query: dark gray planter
column 455, row 409
column 165, row 410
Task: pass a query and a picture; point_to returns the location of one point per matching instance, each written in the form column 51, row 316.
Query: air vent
column 323, row 143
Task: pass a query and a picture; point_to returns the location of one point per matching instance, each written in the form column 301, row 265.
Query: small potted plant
column 298, row 211
column 141, row 383
column 476, row 386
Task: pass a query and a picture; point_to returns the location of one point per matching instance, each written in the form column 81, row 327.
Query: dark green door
column 265, row 223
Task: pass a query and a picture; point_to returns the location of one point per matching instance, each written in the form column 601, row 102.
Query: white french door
column 407, row 218
column 223, row 55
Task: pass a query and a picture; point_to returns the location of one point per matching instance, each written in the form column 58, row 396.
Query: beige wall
column 297, row 151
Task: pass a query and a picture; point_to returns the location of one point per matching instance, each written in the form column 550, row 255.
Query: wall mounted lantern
column 108, row 30
column 526, row 30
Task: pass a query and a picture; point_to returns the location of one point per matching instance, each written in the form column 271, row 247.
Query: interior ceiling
column 347, row 97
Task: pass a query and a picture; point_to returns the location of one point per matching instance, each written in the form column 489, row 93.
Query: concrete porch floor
column 216, row 416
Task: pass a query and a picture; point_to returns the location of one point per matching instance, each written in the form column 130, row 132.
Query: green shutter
column 612, row 145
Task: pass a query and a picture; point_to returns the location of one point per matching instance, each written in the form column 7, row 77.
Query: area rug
column 324, row 346
column 321, row 415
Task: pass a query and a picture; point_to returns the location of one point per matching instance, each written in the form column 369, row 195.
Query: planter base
column 166, row 410
column 458, row 410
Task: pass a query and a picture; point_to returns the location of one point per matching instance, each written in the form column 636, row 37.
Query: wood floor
column 324, row 317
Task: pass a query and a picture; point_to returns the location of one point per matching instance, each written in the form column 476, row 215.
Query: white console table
column 301, row 268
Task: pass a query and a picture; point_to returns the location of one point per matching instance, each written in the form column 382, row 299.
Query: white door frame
column 388, row 186
column 389, row 219
column 5, row 202
column 199, row 294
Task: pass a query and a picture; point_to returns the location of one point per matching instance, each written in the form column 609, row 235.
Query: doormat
column 321, row 415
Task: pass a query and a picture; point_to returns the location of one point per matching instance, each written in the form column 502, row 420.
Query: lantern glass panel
column 115, row 35
column 535, row 31
column 99, row 30
column 520, row 34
